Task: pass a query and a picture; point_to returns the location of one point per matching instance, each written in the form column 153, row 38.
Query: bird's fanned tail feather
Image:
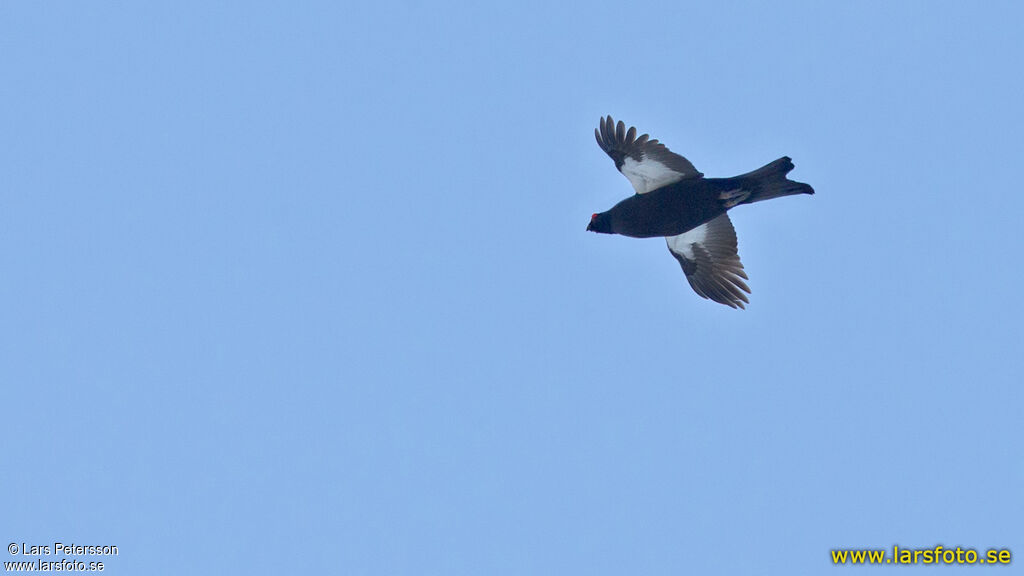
column 769, row 181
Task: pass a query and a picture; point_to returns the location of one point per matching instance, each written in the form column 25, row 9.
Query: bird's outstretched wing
column 710, row 261
column 648, row 164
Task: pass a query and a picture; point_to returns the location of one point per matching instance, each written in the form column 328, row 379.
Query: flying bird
column 673, row 199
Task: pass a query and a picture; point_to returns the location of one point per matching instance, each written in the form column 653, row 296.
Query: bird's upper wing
column 648, row 164
column 710, row 261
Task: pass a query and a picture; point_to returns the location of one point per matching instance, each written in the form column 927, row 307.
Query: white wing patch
column 683, row 243
column 648, row 174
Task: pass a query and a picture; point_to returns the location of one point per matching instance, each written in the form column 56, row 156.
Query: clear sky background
column 305, row 288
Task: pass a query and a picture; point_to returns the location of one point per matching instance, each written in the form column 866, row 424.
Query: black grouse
column 676, row 201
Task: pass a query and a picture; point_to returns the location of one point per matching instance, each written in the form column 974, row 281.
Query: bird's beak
column 590, row 226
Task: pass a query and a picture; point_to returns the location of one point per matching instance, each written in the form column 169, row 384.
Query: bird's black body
column 667, row 211
column 682, row 206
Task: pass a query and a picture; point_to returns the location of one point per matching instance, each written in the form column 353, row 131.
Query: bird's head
column 600, row 223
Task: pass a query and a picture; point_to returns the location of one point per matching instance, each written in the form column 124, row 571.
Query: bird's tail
column 770, row 181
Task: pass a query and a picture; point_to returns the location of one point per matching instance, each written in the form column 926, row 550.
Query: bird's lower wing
column 711, row 262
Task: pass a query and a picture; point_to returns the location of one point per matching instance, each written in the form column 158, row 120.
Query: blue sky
column 305, row 288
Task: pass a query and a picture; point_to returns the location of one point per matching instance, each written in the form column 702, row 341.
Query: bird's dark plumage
column 674, row 200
